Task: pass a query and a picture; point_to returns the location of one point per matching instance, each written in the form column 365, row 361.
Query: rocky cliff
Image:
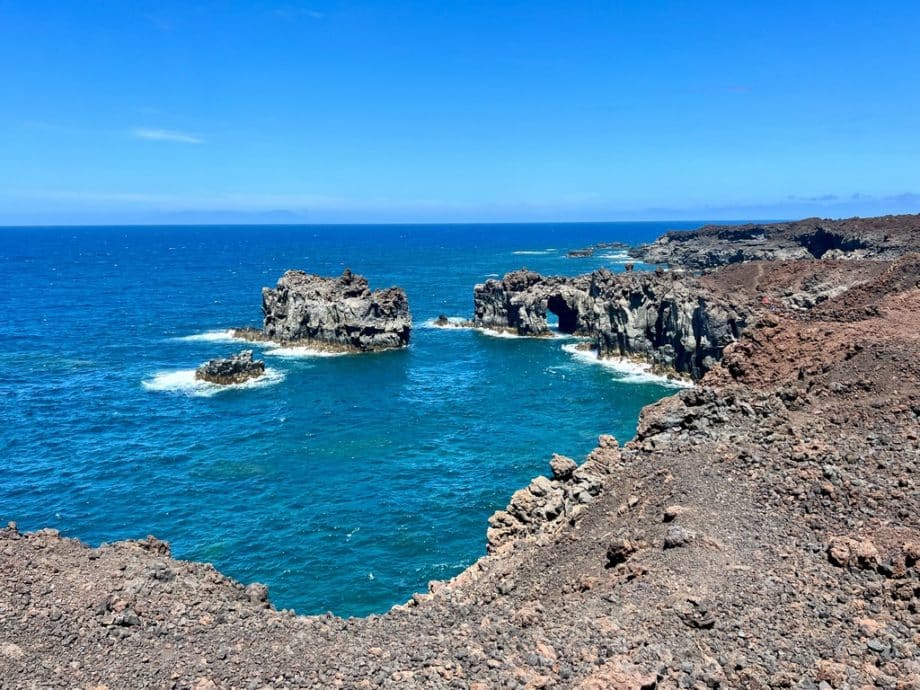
column 887, row 237
column 670, row 320
column 333, row 313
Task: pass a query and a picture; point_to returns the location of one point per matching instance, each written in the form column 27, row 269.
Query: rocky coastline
column 761, row 530
column 676, row 323
column 332, row 314
column 882, row 238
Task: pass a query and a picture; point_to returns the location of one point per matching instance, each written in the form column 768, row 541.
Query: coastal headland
column 761, row 530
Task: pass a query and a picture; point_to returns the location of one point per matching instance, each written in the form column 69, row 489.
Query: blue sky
column 456, row 111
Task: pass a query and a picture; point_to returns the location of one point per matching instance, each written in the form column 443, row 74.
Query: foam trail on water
column 534, row 252
column 300, row 352
column 458, row 322
column 626, row 370
column 225, row 336
column 554, row 335
column 184, row 381
column 618, row 257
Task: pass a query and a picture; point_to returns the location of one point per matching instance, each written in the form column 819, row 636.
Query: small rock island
column 332, row 314
column 237, row 368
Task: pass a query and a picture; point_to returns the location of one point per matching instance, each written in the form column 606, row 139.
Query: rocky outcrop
column 880, row 238
column 546, row 505
column 338, row 314
column 237, row 368
column 669, row 320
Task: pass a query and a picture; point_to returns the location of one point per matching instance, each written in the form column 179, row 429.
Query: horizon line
column 703, row 221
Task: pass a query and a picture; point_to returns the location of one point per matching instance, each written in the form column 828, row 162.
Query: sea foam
column 534, row 252
column 617, row 257
column 225, row 336
column 183, row 381
column 299, row 352
column 553, row 335
column 626, row 370
column 458, row 322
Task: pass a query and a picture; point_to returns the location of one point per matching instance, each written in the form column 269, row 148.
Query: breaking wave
column 225, row 336
column 626, row 370
column 183, row 381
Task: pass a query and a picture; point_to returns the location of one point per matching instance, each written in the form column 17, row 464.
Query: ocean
column 344, row 483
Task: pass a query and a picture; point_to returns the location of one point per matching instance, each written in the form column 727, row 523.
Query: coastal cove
column 345, row 483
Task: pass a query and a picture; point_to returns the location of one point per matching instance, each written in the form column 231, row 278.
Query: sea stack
column 335, row 314
column 237, row 368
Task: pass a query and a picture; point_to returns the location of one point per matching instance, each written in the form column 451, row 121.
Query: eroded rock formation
column 886, row 237
column 667, row 319
column 340, row 314
column 237, row 368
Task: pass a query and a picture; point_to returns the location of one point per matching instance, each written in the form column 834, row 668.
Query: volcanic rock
column 231, row 370
column 337, row 314
column 886, row 238
column 672, row 321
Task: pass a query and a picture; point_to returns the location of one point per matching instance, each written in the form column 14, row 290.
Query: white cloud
column 290, row 13
column 167, row 135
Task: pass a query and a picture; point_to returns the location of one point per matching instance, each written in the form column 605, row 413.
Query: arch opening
column 566, row 315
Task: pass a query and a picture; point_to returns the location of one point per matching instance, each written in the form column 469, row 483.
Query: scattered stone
column 847, row 552
column 677, row 537
column 619, row 551
column 672, row 512
column 696, row 615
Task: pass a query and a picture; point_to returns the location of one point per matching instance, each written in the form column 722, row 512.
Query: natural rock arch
column 567, row 313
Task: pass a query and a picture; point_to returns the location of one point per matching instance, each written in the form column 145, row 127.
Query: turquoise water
column 344, row 483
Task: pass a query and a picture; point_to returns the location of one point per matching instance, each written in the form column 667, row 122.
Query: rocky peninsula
column 333, row 314
column 761, row 530
column 886, row 237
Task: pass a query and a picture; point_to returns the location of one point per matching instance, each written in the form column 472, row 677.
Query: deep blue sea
column 344, row 483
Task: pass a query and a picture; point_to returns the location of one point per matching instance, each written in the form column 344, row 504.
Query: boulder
column 231, row 370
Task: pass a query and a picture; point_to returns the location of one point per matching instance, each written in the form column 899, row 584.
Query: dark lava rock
column 619, row 551
column 674, row 322
column 339, row 314
column 235, row 369
column 887, row 237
